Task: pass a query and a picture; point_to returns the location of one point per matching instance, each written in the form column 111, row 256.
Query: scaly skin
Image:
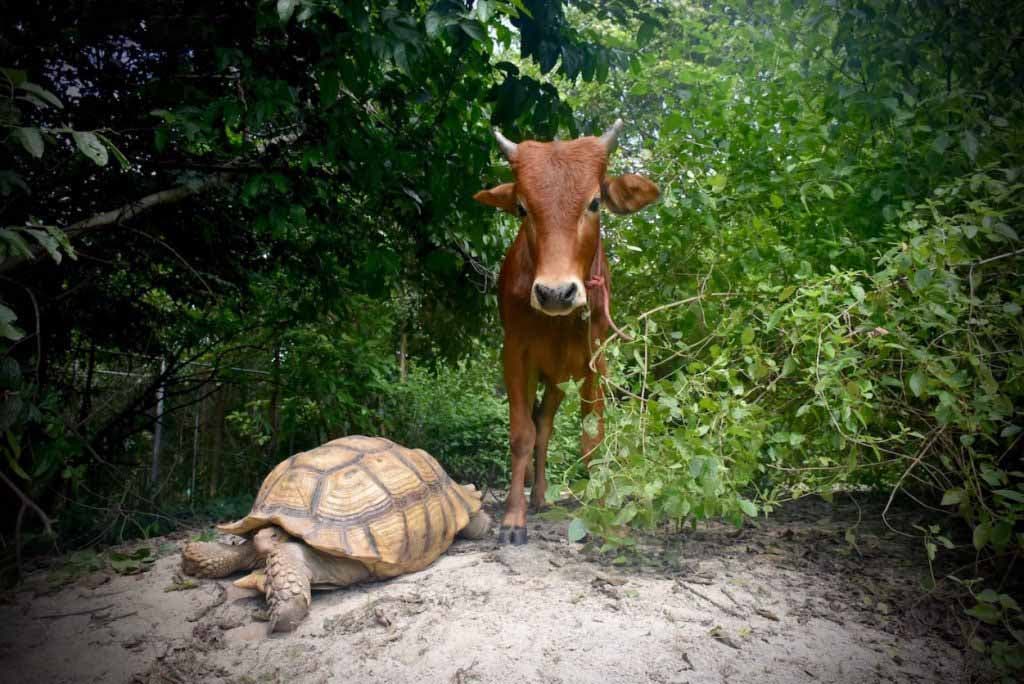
column 288, row 586
column 213, row 559
column 292, row 570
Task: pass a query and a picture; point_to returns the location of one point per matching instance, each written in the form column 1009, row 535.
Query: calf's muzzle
column 558, row 299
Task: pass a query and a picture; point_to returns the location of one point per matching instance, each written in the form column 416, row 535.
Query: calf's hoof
column 512, row 535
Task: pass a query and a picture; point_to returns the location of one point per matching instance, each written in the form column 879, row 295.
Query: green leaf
column 15, row 76
column 42, row 93
column 48, row 242
column 31, row 140
column 853, row 389
column 969, row 143
column 7, row 327
column 577, row 530
column 646, row 32
column 91, row 147
column 952, row 496
column 1010, row 494
column 672, row 123
column 827, row 190
column 748, row 335
column 988, row 614
column 981, row 535
column 922, row 277
column 775, row 200
column 474, row 30
column 118, row 155
column 434, row 22
column 484, row 10
column 942, row 142
column 15, row 243
column 748, row 507
column 285, row 8
column 718, row 182
column 917, row 383
column 627, row 513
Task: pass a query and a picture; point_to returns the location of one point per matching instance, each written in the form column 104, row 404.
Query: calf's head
column 558, row 192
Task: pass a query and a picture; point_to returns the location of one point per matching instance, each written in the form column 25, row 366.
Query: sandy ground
column 784, row 600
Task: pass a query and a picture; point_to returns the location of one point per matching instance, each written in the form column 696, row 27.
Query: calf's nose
column 555, row 298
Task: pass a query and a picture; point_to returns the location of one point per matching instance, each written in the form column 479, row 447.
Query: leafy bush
column 456, row 413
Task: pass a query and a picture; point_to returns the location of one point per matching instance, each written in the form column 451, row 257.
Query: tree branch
column 126, row 213
column 29, row 503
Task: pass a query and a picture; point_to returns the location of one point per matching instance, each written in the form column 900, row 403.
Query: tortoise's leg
column 544, row 420
column 479, row 526
column 292, row 569
column 213, row 559
column 288, row 586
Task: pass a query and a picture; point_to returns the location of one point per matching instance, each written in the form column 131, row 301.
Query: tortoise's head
column 268, row 538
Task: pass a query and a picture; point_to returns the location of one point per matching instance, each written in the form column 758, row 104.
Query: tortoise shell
column 365, row 498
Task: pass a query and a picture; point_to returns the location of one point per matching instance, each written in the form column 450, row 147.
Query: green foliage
column 832, row 285
column 458, row 414
column 133, row 562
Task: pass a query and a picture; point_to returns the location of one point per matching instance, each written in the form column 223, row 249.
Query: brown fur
column 559, row 239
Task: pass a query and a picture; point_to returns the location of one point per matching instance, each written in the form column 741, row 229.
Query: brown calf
column 555, row 268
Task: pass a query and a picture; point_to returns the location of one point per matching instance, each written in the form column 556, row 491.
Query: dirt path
column 787, row 601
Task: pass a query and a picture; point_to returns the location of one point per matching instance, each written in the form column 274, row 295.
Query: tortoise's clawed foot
column 516, row 536
column 285, row 615
column 288, row 587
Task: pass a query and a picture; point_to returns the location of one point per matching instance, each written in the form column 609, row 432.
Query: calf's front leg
column 522, row 387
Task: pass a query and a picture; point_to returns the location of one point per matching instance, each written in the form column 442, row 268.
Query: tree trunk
column 158, row 429
column 218, row 442
column 402, row 367
column 273, row 412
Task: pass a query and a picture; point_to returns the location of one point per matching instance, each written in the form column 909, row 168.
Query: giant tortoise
column 353, row 510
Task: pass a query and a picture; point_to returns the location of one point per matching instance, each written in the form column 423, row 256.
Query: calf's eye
column 522, row 210
column 595, row 204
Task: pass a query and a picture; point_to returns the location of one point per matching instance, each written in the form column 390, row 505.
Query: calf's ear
column 628, row 193
column 502, row 197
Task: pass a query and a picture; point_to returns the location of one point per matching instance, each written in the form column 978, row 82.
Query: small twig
column 112, row 618
column 892, row 495
column 1005, row 255
column 53, row 616
column 681, row 302
column 721, row 606
column 221, row 598
column 728, row 595
column 460, row 674
column 177, row 255
column 17, row 538
column 47, row 522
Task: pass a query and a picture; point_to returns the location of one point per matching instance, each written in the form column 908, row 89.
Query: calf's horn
column 508, row 148
column 611, row 136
